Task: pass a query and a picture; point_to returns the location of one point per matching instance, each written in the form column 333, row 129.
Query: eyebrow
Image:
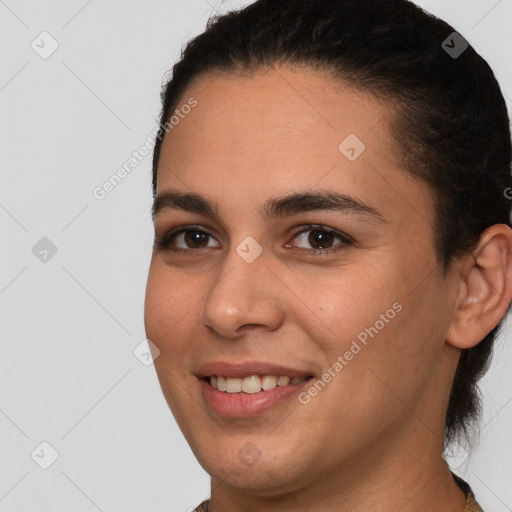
column 295, row 203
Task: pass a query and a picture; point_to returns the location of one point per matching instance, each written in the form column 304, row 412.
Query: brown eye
column 185, row 239
column 321, row 239
column 195, row 239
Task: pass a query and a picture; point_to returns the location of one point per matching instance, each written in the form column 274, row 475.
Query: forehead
column 277, row 130
column 280, row 109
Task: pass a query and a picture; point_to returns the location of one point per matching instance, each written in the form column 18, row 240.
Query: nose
column 243, row 296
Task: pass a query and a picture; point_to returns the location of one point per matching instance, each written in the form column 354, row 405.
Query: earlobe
column 485, row 288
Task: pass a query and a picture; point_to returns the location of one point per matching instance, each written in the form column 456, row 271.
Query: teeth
column 234, row 385
column 221, row 383
column 283, row 381
column 268, row 382
column 252, row 383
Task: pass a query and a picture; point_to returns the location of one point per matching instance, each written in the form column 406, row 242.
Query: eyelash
column 164, row 243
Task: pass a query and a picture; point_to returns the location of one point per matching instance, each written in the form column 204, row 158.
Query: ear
column 485, row 288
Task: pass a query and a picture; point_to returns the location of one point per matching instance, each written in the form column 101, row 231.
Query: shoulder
column 203, row 507
column 471, row 503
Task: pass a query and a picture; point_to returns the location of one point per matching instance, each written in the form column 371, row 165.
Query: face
column 339, row 285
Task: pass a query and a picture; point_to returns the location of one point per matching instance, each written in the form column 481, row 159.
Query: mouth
column 245, row 389
column 250, row 396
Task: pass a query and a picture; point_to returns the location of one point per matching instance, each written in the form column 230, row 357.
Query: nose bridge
column 242, row 292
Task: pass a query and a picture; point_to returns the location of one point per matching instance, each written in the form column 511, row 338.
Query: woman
column 332, row 255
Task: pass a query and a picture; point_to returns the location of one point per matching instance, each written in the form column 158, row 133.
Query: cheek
column 388, row 318
column 402, row 360
column 347, row 301
column 166, row 311
column 167, row 305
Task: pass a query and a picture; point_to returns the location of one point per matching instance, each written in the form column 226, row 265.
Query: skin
column 372, row 438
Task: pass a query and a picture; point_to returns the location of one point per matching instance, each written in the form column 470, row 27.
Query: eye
column 190, row 237
column 194, row 238
column 321, row 239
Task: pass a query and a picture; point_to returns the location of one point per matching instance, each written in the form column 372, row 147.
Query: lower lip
column 243, row 405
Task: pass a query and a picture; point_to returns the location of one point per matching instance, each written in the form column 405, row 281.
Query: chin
column 265, row 472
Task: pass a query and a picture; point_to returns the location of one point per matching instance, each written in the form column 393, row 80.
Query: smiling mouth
column 252, row 383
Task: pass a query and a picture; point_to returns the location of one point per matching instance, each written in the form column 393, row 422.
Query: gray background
column 70, row 321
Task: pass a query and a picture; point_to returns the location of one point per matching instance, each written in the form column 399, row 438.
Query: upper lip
column 247, row 368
